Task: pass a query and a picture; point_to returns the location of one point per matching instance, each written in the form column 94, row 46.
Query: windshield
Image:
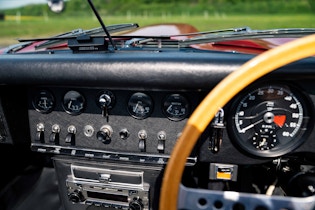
column 20, row 19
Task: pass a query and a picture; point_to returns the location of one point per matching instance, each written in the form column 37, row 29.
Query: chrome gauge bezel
column 269, row 120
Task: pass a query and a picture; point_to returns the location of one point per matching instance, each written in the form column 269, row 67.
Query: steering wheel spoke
column 200, row 199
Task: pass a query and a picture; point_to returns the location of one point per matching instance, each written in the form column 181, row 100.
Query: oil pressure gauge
column 269, row 121
column 176, row 107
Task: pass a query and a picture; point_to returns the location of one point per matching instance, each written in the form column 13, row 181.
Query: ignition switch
column 106, row 101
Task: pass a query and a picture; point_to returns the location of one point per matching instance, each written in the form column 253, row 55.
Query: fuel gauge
column 73, row 102
column 176, row 107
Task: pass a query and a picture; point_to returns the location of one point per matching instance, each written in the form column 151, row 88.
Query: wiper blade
column 16, row 47
column 54, row 40
column 246, row 33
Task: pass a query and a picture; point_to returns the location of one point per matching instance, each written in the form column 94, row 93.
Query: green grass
column 27, row 27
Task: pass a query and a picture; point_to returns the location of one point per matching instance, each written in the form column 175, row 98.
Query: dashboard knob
column 136, row 204
column 76, row 196
column 104, row 134
column 124, row 134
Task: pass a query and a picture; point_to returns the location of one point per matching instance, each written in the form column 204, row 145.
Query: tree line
column 175, row 7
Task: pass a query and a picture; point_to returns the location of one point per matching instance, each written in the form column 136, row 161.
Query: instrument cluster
column 265, row 120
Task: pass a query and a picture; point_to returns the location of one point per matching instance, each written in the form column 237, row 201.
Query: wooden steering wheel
column 217, row 98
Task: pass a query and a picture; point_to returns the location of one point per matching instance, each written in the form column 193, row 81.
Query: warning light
column 223, row 172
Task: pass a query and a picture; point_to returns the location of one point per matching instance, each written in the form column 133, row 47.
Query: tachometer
column 269, row 121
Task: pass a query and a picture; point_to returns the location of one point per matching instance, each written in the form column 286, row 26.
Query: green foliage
column 39, row 21
column 175, row 7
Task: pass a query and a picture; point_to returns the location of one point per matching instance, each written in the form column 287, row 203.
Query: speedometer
column 269, row 120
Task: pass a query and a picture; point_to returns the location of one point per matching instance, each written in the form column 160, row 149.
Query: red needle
column 279, row 120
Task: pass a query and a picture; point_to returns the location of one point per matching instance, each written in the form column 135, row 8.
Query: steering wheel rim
column 249, row 72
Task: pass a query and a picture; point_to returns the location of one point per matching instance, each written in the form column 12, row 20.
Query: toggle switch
column 142, row 135
column 54, row 136
column 161, row 141
column 70, row 138
column 39, row 137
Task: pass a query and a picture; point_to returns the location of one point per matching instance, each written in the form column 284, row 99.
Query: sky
column 8, row 4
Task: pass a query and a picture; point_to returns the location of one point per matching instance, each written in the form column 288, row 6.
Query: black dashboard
column 124, row 111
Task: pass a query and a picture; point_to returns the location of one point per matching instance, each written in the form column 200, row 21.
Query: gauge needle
column 279, row 120
column 262, row 142
column 135, row 108
column 250, row 126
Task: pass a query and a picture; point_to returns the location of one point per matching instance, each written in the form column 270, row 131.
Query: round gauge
column 140, row 105
column 73, row 102
column 44, row 101
column 269, row 121
column 176, row 107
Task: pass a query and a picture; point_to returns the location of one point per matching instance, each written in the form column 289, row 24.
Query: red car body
column 179, row 32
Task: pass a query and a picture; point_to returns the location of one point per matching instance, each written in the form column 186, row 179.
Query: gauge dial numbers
column 268, row 121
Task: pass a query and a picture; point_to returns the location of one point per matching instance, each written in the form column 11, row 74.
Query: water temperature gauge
column 176, row 107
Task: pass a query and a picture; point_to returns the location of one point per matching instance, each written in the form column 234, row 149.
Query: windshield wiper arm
column 102, row 24
column 54, row 40
column 247, row 34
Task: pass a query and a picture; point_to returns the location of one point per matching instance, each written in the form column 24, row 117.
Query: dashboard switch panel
column 135, row 125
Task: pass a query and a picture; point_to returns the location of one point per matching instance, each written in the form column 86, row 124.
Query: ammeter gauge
column 44, row 101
